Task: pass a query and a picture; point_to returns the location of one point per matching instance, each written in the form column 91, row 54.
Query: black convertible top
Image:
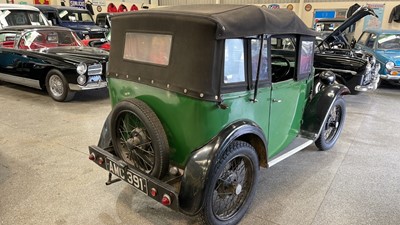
column 232, row 20
column 196, row 59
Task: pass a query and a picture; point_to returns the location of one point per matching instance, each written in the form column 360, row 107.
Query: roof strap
column 258, row 69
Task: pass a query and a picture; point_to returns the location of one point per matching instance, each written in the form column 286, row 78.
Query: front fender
column 197, row 169
column 317, row 109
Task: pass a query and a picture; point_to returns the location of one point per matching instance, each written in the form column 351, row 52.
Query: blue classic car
column 77, row 19
column 385, row 45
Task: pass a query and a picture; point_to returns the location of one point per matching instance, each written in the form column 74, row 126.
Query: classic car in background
column 385, row 46
column 356, row 69
column 17, row 15
column 79, row 20
column 51, row 58
column 103, row 43
column 103, row 20
column 327, row 26
column 250, row 106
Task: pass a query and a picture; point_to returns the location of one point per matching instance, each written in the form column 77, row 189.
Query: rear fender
column 105, row 141
column 317, row 109
column 197, row 169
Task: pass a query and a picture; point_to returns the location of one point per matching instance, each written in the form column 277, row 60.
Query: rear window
column 148, row 48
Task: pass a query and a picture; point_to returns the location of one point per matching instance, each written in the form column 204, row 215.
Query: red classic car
column 103, row 43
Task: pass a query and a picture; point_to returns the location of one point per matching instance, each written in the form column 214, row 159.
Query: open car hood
column 357, row 15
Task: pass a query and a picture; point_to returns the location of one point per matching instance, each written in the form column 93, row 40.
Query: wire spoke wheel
column 135, row 142
column 231, row 186
column 333, row 125
column 138, row 137
column 56, row 85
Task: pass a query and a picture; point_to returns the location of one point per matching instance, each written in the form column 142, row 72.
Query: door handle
column 277, row 100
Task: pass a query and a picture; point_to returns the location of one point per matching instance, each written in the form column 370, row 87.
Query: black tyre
column 231, row 185
column 138, row 137
column 333, row 125
column 57, row 86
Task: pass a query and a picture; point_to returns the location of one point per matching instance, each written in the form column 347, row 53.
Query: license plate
column 129, row 176
column 94, row 78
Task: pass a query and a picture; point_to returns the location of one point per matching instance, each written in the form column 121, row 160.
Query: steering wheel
column 280, row 67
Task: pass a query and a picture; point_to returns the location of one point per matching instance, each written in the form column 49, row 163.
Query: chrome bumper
column 389, row 77
column 372, row 86
column 375, row 78
column 90, row 86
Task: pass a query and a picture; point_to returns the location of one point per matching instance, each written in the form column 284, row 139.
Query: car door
column 8, row 54
column 19, row 65
column 286, row 106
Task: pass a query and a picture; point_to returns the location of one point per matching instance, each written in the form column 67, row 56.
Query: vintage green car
column 201, row 100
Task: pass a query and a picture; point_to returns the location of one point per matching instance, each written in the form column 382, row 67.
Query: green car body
column 186, row 128
column 224, row 85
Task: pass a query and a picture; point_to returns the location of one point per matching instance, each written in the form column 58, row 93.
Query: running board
column 297, row 145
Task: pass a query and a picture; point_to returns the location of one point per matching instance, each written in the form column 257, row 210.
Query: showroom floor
column 46, row 177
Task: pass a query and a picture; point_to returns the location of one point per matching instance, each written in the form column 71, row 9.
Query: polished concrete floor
column 46, row 177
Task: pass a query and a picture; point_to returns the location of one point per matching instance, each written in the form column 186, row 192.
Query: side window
column 305, row 59
column 255, row 52
column 283, row 58
column 234, row 71
column 7, row 40
column 371, row 41
column 363, row 39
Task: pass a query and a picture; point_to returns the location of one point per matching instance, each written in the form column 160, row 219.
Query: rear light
column 166, row 200
column 153, row 192
column 92, row 157
column 100, row 161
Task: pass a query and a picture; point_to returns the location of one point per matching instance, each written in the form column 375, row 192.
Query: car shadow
column 91, row 95
column 385, row 85
column 80, row 96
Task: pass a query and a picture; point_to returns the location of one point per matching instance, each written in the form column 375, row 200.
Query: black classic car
column 356, row 69
column 51, row 58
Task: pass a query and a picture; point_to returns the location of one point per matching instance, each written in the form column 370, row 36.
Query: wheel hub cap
column 238, row 189
column 56, row 86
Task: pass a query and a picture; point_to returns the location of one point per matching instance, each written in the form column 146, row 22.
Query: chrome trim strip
column 290, row 153
column 338, row 70
column 90, row 86
column 95, row 69
column 20, row 80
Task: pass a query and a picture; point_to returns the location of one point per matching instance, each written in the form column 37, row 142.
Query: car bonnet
column 359, row 14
